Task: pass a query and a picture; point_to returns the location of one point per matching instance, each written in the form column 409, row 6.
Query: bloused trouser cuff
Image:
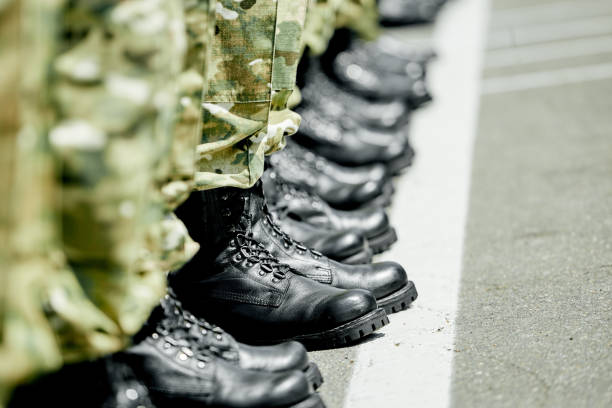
column 250, row 77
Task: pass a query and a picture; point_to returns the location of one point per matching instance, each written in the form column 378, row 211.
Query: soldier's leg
column 237, row 104
column 169, row 244
column 113, row 94
column 96, row 95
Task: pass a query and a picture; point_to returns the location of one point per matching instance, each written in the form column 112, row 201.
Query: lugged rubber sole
column 382, row 242
column 402, row 162
column 345, row 334
column 399, row 300
column 314, row 375
column 314, row 401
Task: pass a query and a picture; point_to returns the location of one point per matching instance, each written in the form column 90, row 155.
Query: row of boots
column 285, row 266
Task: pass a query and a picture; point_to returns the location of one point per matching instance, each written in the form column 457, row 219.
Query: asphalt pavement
column 505, row 221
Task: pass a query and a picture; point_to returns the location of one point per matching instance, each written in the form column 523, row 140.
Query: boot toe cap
column 348, row 306
column 281, row 357
column 342, row 244
column 386, row 278
column 287, row 388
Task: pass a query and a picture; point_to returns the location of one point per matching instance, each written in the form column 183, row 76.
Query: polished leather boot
column 277, row 358
column 349, row 143
column 364, row 77
column 380, row 62
column 333, row 182
column 387, row 281
column 102, row 383
column 386, row 54
column 291, row 204
column 404, row 12
column 319, row 90
column 179, row 370
column 235, row 282
column 343, row 246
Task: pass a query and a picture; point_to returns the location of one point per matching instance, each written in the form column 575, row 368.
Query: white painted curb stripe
column 549, row 52
column 544, row 79
column 550, row 12
column 550, row 32
column 411, row 366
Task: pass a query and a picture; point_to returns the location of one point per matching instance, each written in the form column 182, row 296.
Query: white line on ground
column 548, row 52
column 411, row 366
column 540, row 33
column 549, row 12
column 544, row 79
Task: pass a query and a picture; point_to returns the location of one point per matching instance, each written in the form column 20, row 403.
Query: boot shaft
column 213, row 217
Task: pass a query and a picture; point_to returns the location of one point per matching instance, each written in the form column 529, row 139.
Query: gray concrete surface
column 534, row 327
column 535, row 316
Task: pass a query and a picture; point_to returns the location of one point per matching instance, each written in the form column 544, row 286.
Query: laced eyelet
column 237, row 258
column 262, row 273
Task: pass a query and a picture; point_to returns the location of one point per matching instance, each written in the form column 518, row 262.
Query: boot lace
column 255, row 253
column 286, row 239
column 289, row 191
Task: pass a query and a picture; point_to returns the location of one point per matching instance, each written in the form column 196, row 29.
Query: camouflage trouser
column 97, row 107
column 256, row 51
column 325, row 16
column 87, row 250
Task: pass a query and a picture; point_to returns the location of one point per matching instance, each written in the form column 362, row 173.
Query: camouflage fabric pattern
column 112, row 141
column 97, row 102
column 168, row 243
column 325, row 16
column 321, row 24
column 249, row 77
column 360, row 16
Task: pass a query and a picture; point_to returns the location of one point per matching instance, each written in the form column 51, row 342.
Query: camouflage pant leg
column 360, row 16
column 236, row 109
column 96, row 94
column 111, row 132
column 168, row 243
column 320, row 24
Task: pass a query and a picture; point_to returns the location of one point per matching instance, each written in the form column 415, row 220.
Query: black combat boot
column 403, row 12
column 349, row 143
column 291, row 204
column 182, row 368
column 385, row 55
column 277, row 358
column 235, row 282
column 332, row 182
column 387, row 281
column 319, row 90
column 343, row 246
column 364, row 77
column 103, row 383
column 171, row 365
